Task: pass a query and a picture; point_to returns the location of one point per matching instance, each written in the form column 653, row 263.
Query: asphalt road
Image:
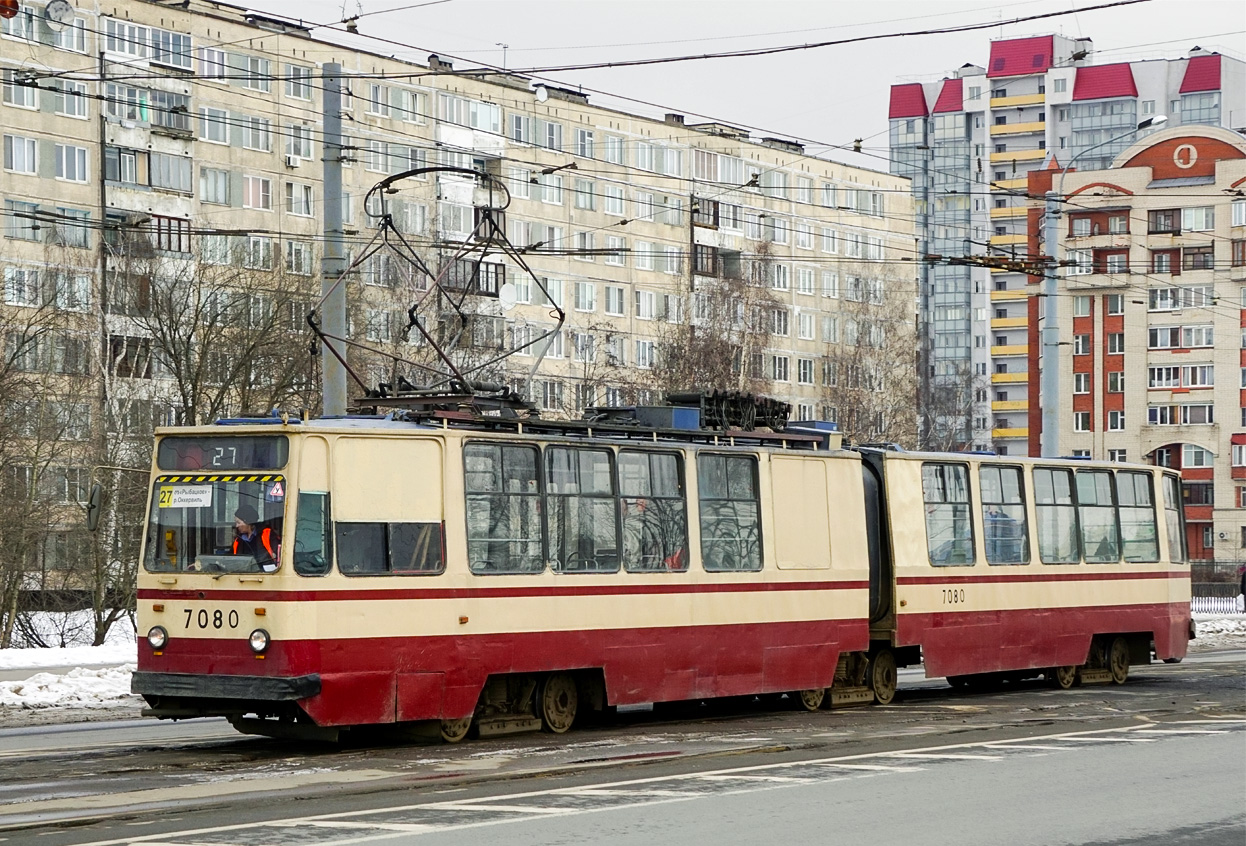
column 1161, row 759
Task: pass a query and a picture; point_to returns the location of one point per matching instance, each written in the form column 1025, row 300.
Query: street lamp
column 1049, row 387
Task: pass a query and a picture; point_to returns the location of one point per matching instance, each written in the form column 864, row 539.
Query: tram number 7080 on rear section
column 952, row 596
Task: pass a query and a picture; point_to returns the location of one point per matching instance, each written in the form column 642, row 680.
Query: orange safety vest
column 265, row 538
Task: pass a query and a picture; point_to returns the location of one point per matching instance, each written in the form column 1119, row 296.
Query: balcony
column 1012, row 211
column 1019, row 156
column 1010, row 349
column 1019, row 128
column 1010, row 322
column 1008, row 240
column 1009, row 296
column 1010, row 405
column 1018, row 100
column 1015, row 432
column 1009, row 184
column 1008, row 378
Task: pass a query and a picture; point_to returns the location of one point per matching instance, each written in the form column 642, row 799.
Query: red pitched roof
column 1098, row 82
column 1202, row 74
column 1020, row 56
column 907, row 101
column 951, row 96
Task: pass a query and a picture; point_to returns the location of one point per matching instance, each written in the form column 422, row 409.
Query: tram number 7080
column 952, row 596
column 217, row 619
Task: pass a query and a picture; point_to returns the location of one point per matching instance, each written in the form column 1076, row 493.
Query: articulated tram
column 481, row 574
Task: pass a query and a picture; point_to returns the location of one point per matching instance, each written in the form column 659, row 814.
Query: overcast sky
column 828, row 95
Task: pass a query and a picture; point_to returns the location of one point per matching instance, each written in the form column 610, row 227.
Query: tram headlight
column 157, row 637
column 258, row 641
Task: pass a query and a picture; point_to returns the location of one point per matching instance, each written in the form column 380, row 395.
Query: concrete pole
column 1049, row 387
column 333, row 309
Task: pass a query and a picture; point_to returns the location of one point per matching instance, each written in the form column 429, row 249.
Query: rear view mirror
column 94, row 507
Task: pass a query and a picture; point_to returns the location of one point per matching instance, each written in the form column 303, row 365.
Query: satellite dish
column 541, row 94
column 506, row 296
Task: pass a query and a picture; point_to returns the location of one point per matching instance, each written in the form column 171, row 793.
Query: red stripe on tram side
column 956, row 643
column 1038, row 577
column 488, row 593
column 371, row 680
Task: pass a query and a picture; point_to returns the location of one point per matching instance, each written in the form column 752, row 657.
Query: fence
column 1215, row 598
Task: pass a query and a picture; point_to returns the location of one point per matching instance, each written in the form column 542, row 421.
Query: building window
column 1115, row 304
column 1081, row 383
column 1081, row 345
column 1116, row 382
column 1116, row 421
column 1081, row 421
column 1116, row 343
column 257, row 193
column 1118, row 455
column 1198, row 258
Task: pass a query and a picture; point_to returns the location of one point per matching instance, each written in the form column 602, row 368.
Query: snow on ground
column 114, row 652
column 105, row 687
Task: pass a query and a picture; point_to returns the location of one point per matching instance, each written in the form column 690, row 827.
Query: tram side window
column 503, row 509
column 730, row 512
column 1139, row 535
column 1003, row 515
column 313, row 535
column 1096, row 511
column 949, row 526
column 1058, row 535
column 653, row 517
column 1172, row 519
column 580, row 507
column 368, row 549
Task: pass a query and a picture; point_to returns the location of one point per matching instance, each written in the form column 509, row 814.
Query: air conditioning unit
column 1224, row 536
column 293, row 161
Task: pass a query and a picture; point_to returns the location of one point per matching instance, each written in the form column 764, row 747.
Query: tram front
column 215, row 557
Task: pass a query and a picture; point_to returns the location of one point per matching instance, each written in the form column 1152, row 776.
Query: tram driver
column 260, row 543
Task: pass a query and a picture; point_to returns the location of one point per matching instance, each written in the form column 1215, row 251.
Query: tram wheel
column 1063, row 677
column 1118, row 660
column 810, row 700
column 558, row 701
column 452, row 731
column 882, row 676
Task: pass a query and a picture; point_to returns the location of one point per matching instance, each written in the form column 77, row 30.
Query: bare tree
column 228, row 338
column 947, row 409
column 717, row 343
column 871, row 374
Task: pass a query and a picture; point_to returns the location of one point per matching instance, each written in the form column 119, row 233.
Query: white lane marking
column 941, row 757
column 1007, row 745
column 598, row 791
column 1111, row 739
column 1179, row 731
column 874, row 767
column 408, row 828
column 469, row 805
column 850, row 761
column 769, row 778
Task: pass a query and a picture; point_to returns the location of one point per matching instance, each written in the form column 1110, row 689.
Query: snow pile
column 81, row 688
column 1221, row 633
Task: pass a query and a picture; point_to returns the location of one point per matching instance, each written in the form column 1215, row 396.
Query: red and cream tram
column 501, row 575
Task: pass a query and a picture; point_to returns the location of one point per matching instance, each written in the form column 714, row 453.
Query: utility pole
column 332, row 265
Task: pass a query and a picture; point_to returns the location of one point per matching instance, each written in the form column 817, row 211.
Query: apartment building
column 194, row 129
column 969, row 141
column 1152, row 300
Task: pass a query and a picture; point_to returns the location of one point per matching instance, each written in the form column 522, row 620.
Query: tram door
column 880, row 560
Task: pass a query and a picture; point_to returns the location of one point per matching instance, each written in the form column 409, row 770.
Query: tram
column 464, row 573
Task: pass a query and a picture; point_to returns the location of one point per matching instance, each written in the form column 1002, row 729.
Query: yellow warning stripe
column 253, row 477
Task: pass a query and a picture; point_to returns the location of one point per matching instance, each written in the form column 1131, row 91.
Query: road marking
column 1004, row 744
column 1180, row 731
column 769, row 778
column 938, row 757
column 506, row 809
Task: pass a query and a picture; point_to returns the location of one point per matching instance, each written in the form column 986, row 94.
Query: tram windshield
column 216, row 525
